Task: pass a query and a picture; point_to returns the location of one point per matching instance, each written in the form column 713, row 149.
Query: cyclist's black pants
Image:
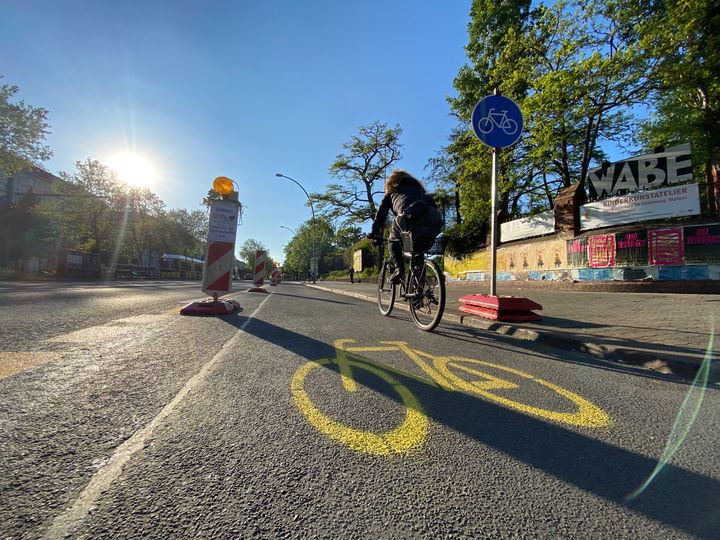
column 397, row 255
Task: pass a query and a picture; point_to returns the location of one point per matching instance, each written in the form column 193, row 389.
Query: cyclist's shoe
column 397, row 276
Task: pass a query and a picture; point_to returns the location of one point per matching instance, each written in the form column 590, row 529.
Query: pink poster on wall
column 666, row 247
column 602, row 251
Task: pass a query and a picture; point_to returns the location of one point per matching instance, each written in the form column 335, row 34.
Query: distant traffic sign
column 497, row 121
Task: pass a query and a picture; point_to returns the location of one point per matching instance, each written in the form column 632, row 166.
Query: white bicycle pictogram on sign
column 499, row 120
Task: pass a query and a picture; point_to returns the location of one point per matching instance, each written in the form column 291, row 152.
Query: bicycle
column 423, row 286
column 498, row 119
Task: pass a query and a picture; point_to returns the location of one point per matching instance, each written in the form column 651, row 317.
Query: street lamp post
column 312, row 208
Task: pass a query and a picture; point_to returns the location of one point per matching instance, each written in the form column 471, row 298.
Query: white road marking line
column 64, row 524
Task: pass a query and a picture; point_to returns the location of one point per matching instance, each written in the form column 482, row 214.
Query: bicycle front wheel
column 485, row 125
column 428, row 305
column 386, row 290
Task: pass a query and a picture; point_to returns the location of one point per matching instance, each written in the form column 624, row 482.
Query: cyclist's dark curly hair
column 400, row 177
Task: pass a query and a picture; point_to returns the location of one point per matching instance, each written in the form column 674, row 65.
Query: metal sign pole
column 493, row 223
column 498, row 123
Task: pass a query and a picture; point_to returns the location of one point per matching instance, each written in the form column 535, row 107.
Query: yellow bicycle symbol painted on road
column 443, row 372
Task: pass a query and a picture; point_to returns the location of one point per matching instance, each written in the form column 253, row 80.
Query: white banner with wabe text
column 676, row 201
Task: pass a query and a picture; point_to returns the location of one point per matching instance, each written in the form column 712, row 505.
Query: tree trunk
column 712, row 173
column 371, row 202
column 548, row 191
column 458, row 217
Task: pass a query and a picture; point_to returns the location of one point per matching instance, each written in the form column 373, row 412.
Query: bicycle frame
column 498, row 119
column 426, row 304
column 406, row 290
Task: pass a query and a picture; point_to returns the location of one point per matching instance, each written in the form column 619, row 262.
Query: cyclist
column 415, row 212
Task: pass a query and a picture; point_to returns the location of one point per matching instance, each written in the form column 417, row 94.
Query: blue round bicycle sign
column 497, row 121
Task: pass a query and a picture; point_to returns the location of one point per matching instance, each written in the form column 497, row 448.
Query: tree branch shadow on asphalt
column 539, row 350
column 313, row 298
column 677, row 497
column 682, row 359
column 629, row 348
column 510, row 342
column 569, row 323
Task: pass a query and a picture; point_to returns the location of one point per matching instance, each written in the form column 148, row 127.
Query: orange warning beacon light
column 223, row 185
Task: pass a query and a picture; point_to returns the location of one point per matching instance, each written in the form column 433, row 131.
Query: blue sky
column 240, row 89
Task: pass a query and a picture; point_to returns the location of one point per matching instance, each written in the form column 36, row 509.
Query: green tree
column 22, row 133
column 683, row 40
column 248, row 249
column 346, row 237
column 184, row 232
column 364, row 161
column 93, row 209
column 463, row 166
column 146, row 212
column 320, row 236
column 587, row 77
column 577, row 74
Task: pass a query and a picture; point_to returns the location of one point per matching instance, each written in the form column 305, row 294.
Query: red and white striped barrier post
column 220, row 257
column 259, row 272
column 275, row 277
column 218, row 269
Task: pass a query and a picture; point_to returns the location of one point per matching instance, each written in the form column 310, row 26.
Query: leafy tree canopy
column 577, row 71
column 22, row 132
column 365, row 160
column 248, row 249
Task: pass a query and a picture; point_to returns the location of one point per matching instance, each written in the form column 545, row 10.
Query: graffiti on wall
column 702, row 244
column 577, row 252
column 631, row 248
column 666, row 247
column 679, row 246
column 602, row 251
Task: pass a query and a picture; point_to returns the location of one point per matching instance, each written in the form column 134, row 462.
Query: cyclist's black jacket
column 399, row 201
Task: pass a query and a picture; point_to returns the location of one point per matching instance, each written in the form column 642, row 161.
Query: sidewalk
column 665, row 332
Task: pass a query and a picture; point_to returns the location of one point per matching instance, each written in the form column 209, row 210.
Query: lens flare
column 686, row 416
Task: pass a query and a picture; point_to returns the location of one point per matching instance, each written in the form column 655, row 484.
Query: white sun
column 133, row 169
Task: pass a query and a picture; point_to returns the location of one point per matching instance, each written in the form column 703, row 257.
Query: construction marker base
column 258, row 289
column 500, row 308
column 210, row 307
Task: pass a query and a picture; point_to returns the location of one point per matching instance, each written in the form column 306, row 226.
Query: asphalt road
column 308, row 414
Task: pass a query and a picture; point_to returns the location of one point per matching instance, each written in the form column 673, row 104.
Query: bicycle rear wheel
column 386, row 290
column 428, row 306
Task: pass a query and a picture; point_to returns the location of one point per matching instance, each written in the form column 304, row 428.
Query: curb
column 655, row 287
column 677, row 367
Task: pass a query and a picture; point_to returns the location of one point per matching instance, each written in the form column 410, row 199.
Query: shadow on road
column 313, row 298
column 677, row 497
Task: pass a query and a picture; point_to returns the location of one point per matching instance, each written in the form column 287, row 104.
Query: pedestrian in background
column 352, row 275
